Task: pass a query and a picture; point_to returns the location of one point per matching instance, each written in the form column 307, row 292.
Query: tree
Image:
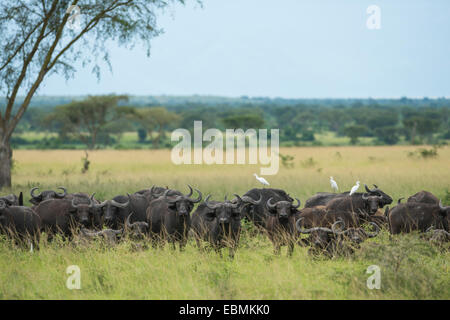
column 37, row 39
column 354, row 132
column 421, row 125
column 387, row 135
column 156, row 119
column 243, row 121
column 88, row 119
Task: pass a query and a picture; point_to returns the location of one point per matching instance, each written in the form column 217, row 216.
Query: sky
column 284, row 48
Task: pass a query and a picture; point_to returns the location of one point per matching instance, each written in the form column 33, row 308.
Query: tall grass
column 411, row 268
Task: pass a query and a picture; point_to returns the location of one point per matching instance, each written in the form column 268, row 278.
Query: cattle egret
column 261, row 179
column 334, row 185
column 355, row 187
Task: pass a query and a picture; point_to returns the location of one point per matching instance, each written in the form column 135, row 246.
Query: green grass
column 411, row 268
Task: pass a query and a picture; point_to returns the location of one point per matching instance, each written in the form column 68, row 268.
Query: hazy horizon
column 289, row 49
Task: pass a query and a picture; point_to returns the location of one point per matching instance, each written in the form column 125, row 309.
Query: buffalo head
column 225, row 212
column 45, row 195
column 319, row 237
column 384, row 200
column 372, row 202
column 110, row 211
column 137, row 230
column 283, row 209
column 355, row 235
column 83, row 212
column 182, row 204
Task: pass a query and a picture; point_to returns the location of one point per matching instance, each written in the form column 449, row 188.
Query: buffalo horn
column 298, row 204
column 250, row 199
column 190, row 192
column 373, row 234
column 270, row 205
column 199, row 198
column 63, row 194
column 306, row 231
column 210, row 205
column 32, row 193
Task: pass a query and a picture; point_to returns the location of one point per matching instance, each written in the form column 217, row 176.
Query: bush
column 387, row 135
column 142, row 135
column 307, row 135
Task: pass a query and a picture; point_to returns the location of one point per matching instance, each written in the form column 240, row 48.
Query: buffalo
column 438, row 236
column 110, row 236
column 13, row 200
column 280, row 224
column 61, row 215
column 332, row 241
column 321, row 217
column 423, row 197
column 323, row 198
column 153, row 193
column 257, row 211
column 136, row 230
column 219, row 223
column 366, row 203
column 46, row 195
column 20, row 223
column 116, row 211
column 169, row 216
column 410, row 216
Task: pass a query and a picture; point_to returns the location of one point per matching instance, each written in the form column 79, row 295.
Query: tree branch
column 23, row 72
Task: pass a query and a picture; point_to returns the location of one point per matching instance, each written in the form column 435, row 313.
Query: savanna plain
column 411, row 268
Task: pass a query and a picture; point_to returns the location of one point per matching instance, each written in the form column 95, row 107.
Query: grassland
column 410, row 267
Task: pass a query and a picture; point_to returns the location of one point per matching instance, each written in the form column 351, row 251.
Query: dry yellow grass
column 129, row 170
column 410, row 267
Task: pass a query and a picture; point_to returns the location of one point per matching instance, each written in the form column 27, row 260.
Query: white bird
column 334, row 185
column 354, row 188
column 261, row 179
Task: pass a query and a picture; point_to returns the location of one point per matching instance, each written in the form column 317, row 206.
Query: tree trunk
column 5, row 164
column 157, row 139
column 413, row 133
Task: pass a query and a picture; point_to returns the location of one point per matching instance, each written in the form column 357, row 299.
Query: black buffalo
column 423, row 197
column 19, row 222
column 280, row 223
column 367, row 203
column 63, row 216
column 437, row 236
column 169, row 217
column 13, row 200
column 410, row 216
column 110, row 236
column 154, row 192
column 332, row 241
column 219, row 223
column 46, row 195
column 321, row 217
column 323, row 198
column 136, row 230
column 116, row 211
column 257, row 211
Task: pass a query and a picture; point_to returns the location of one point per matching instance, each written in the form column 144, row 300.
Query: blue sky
column 285, row 48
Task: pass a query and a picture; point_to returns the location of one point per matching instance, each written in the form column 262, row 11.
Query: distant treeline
column 101, row 121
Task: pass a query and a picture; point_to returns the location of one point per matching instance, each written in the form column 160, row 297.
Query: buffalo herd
column 332, row 222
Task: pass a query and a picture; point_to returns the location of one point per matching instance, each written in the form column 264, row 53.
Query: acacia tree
column 87, row 119
column 156, row 119
column 36, row 41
